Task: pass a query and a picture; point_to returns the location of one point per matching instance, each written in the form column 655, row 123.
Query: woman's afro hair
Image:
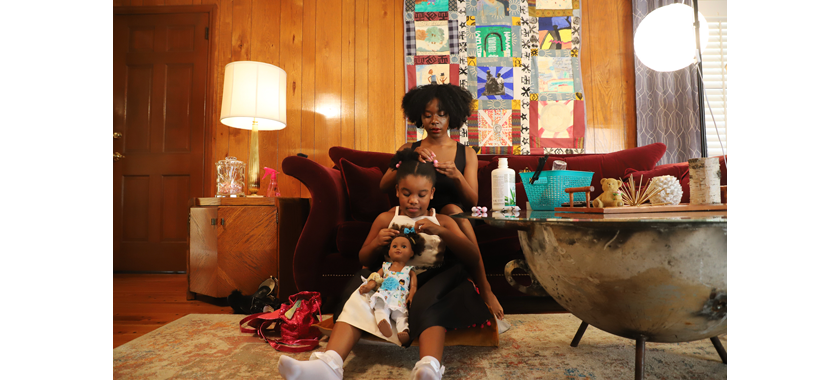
column 453, row 100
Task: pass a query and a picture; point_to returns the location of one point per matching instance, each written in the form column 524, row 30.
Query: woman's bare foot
column 494, row 305
column 385, row 328
column 403, row 336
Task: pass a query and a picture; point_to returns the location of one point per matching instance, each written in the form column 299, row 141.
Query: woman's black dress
column 445, row 190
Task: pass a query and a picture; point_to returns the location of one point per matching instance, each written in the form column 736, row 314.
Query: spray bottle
column 271, row 189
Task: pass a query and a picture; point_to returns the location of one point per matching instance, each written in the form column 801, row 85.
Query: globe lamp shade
column 665, row 39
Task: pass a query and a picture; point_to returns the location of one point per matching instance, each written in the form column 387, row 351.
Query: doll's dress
column 391, row 291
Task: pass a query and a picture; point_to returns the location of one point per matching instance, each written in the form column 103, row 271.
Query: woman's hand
column 428, row 227
column 425, row 154
column 385, row 236
column 448, row 169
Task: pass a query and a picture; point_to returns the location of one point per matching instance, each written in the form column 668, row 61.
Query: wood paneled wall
column 345, row 74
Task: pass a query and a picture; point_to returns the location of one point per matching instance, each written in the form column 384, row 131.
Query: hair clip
column 408, row 230
column 398, row 164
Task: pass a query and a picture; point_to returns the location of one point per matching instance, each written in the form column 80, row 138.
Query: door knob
column 117, row 135
column 118, row 156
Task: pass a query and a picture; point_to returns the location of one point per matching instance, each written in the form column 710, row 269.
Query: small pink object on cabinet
column 271, row 189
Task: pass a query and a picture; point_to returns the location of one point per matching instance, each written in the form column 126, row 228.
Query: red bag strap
column 247, row 320
column 297, row 345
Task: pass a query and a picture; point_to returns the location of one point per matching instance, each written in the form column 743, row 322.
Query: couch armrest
column 327, row 210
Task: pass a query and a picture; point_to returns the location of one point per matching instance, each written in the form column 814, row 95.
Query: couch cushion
column 361, row 158
column 350, row 237
column 362, row 184
column 677, row 170
column 613, row 165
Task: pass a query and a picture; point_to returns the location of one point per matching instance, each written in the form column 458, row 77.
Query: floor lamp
column 671, row 38
column 254, row 98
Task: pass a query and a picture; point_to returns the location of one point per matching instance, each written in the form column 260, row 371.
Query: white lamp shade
column 254, row 90
column 665, row 40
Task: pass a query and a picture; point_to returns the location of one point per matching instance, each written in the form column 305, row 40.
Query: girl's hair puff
column 453, row 100
column 407, row 160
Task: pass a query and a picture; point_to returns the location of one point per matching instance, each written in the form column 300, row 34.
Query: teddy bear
column 611, row 197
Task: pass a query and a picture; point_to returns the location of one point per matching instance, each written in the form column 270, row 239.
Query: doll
column 396, row 283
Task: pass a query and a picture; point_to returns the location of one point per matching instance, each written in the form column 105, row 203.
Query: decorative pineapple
column 671, row 190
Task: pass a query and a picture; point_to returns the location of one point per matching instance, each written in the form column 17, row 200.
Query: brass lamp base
column 254, row 162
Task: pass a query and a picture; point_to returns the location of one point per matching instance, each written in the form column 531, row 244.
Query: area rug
column 210, row 346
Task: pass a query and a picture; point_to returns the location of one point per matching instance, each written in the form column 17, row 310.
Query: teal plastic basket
column 549, row 191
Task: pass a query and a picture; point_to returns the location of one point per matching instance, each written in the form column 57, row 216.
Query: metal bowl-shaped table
column 649, row 277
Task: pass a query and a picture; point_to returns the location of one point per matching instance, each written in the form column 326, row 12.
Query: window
column 714, row 80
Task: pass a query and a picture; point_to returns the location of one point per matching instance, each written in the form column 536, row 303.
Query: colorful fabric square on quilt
column 519, row 59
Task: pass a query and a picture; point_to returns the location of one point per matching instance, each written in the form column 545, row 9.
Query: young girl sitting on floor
column 445, row 297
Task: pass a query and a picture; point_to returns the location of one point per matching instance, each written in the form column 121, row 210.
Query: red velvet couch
column 346, row 199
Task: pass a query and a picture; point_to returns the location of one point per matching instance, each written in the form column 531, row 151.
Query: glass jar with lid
column 230, row 178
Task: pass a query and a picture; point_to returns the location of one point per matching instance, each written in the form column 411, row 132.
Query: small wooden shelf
column 239, row 201
column 682, row 207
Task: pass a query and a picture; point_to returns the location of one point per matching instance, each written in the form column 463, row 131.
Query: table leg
column 579, row 334
column 719, row 347
column 640, row 358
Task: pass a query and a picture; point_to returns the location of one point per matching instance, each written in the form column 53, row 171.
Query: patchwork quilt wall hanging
column 519, row 58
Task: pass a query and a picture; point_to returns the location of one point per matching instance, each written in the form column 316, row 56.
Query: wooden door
column 161, row 64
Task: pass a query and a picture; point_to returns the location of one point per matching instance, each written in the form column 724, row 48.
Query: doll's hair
column 416, row 241
column 408, row 164
column 453, row 100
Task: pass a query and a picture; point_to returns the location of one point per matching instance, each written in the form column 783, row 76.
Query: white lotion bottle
column 504, row 186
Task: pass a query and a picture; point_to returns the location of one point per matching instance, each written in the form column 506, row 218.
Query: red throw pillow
column 677, row 170
column 362, row 184
column 361, row 158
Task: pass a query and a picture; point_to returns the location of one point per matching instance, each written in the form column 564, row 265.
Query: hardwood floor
column 144, row 302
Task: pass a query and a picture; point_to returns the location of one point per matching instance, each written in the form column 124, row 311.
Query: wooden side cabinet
column 237, row 243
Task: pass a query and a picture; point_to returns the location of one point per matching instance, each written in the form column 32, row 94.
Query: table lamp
column 254, row 98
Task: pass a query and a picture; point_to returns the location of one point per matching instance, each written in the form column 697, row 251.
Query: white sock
column 321, row 365
column 427, row 368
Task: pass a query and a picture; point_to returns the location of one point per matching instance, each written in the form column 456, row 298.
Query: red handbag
column 293, row 323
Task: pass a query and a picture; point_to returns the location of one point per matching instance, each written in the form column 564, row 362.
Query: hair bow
column 408, row 230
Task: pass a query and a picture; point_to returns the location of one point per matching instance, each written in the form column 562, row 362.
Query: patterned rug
column 209, row 346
